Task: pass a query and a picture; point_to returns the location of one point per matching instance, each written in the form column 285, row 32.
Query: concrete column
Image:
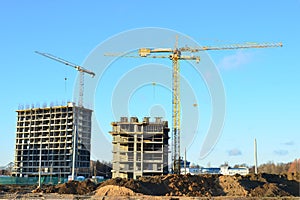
column 118, row 159
column 134, row 155
column 142, row 150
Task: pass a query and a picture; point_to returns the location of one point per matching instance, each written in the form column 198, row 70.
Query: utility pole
column 255, row 156
column 95, row 172
column 74, row 152
column 40, row 164
column 184, row 160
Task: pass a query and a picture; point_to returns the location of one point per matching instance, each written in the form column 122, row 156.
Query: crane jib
column 175, row 56
column 77, row 67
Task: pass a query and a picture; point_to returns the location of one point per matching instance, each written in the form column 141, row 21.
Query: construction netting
column 5, row 180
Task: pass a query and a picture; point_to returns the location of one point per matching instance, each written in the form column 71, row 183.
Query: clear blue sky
column 261, row 85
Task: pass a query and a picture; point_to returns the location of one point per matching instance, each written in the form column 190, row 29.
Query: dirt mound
column 72, row 187
column 211, row 185
column 188, row 185
column 113, row 190
column 149, row 186
column 231, row 186
column 284, row 183
column 171, row 185
column 268, row 190
column 261, row 185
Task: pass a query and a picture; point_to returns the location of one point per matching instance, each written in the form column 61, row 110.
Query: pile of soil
column 188, row 185
column 71, row 187
column 171, row 185
column 115, row 191
column 261, row 185
column 268, row 190
column 145, row 185
column 231, row 186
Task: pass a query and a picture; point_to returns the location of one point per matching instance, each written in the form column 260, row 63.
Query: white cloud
column 281, row 152
column 234, row 152
column 235, row 60
column 289, row 143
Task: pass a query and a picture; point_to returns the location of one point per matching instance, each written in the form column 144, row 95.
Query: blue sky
column 261, row 85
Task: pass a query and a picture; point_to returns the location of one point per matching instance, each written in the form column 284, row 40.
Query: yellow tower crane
column 175, row 55
column 78, row 68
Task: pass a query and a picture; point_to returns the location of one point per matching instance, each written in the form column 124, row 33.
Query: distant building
column 187, row 163
column 210, row 170
column 49, row 134
column 139, row 148
column 191, row 170
column 224, row 170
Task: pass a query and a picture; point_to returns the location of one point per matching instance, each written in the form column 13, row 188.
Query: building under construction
column 139, row 148
column 46, row 139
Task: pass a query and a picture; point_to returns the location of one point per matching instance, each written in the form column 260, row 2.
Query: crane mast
column 176, row 111
column 175, row 54
column 80, row 69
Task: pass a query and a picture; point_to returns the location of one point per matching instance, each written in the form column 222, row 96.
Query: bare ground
column 261, row 186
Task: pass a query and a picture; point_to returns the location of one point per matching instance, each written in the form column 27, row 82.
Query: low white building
column 192, row 171
column 226, row 170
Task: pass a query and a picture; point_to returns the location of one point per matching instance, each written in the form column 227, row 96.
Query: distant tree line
column 101, row 168
column 272, row 168
column 279, row 168
column 269, row 167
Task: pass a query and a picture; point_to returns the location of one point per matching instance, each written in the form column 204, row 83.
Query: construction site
column 53, row 151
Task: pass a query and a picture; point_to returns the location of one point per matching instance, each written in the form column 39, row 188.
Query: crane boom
column 232, row 46
column 175, row 55
column 80, row 69
column 77, row 67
